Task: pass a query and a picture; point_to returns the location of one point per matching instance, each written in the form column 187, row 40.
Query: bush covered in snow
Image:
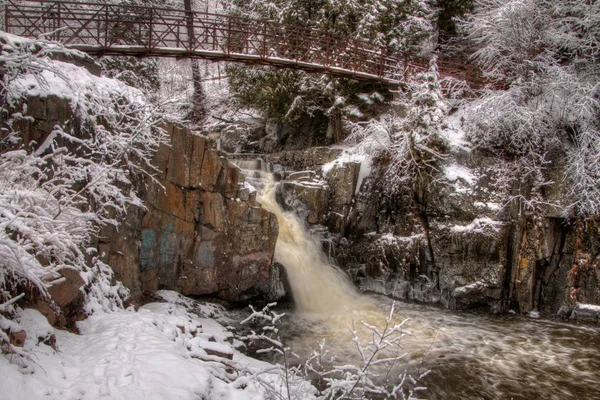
column 547, row 53
column 379, row 354
column 409, row 137
column 56, row 194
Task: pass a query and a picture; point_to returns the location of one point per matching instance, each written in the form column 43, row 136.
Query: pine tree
column 401, row 28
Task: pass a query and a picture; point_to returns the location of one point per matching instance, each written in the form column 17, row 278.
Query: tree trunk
column 197, row 113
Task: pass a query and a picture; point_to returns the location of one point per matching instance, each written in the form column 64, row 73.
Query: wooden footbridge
column 111, row 29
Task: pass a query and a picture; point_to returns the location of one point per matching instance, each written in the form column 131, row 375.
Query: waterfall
column 318, row 286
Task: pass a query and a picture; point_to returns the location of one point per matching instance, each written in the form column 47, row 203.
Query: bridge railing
column 137, row 30
column 152, row 30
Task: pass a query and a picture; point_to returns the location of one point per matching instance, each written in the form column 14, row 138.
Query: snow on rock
column 588, row 307
column 479, row 225
column 474, row 287
column 533, row 314
column 391, row 239
column 453, row 132
column 36, row 325
column 489, row 206
column 70, row 82
column 349, row 156
column 205, row 310
column 162, row 351
column 455, row 171
column 251, row 189
column 104, row 293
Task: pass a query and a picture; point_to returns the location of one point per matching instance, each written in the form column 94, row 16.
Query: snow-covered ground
column 161, row 351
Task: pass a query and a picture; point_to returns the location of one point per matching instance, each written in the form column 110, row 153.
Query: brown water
column 470, row 356
column 318, row 286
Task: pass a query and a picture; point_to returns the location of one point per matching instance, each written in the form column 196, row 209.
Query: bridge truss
column 116, row 29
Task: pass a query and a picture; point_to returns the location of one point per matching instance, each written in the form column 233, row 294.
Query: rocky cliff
column 461, row 238
column 202, row 231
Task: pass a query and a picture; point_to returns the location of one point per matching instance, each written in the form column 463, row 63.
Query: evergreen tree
column 400, row 27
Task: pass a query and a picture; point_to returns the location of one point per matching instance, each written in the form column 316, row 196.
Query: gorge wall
column 455, row 239
column 202, row 231
column 458, row 239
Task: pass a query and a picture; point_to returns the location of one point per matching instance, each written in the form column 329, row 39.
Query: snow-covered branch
column 56, row 194
column 547, row 52
column 379, row 356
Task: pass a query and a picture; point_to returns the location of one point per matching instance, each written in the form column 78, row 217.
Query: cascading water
column 470, row 356
column 318, row 287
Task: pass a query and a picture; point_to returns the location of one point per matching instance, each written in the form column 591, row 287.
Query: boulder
column 17, row 338
column 308, row 196
column 66, row 293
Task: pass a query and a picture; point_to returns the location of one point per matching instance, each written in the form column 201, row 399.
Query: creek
column 469, row 356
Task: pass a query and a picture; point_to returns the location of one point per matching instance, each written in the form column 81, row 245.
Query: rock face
column 452, row 239
column 320, row 196
column 202, row 232
column 306, row 194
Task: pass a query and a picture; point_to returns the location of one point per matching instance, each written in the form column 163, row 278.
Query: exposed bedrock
column 202, row 232
column 454, row 239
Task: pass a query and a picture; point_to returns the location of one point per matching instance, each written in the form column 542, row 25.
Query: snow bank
column 162, row 351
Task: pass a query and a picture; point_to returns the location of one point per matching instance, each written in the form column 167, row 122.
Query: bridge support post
column 150, row 33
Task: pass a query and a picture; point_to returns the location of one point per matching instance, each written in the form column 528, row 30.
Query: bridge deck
column 234, row 57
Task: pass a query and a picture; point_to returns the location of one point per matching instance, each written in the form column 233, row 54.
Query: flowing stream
column 470, row 356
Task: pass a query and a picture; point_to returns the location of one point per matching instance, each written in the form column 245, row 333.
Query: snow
column 588, row 307
column 391, row 239
column 473, row 287
column 162, row 351
column 35, row 324
column 365, row 98
column 69, row 82
column 453, row 132
column 351, row 156
column 479, row 225
column 311, row 184
column 533, row 314
column 489, row 205
column 455, row 171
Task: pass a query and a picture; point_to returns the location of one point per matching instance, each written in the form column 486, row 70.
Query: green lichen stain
column 147, row 260
column 167, row 246
column 205, row 255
